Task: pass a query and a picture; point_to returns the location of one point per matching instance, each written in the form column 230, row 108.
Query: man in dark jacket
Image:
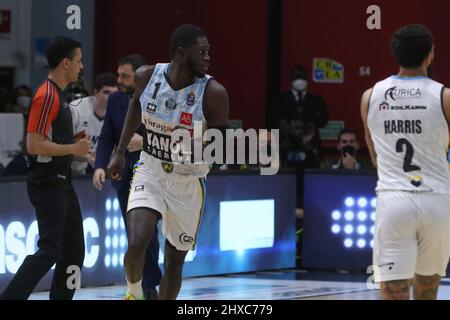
column 109, row 138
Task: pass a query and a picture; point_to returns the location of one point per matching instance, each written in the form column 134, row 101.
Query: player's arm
column 446, row 104
column 132, row 121
column 133, row 118
column 364, row 111
column 217, row 109
column 217, row 105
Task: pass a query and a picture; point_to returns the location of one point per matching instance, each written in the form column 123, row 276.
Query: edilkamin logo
column 241, row 147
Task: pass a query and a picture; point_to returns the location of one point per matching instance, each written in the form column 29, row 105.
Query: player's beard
column 126, row 89
column 191, row 66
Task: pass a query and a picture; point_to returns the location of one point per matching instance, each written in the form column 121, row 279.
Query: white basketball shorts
column 179, row 198
column 412, row 235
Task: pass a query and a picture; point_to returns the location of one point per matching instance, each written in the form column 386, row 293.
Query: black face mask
column 348, row 149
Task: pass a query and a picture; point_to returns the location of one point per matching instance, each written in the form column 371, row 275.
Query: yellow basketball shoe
column 130, row 296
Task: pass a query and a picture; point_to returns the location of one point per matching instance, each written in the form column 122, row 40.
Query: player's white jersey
column 410, row 133
column 164, row 109
column 84, row 118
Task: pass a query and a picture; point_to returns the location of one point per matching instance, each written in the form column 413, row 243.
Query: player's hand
column 348, row 162
column 116, row 165
column 99, row 179
column 136, row 143
column 79, row 136
column 81, row 147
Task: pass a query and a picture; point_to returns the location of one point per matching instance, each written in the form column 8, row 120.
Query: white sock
column 135, row 289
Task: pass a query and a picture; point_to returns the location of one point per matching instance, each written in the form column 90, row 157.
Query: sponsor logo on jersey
column 151, row 108
column 139, row 188
column 167, row 167
column 400, row 93
column 155, row 125
column 383, row 106
column 190, row 99
column 158, row 145
column 186, row 118
column 171, row 104
column 408, row 107
column 186, row 239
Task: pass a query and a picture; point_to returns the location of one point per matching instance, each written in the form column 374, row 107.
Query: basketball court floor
column 271, row 285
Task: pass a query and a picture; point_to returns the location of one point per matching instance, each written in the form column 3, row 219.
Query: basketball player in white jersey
column 406, row 119
column 87, row 117
column 167, row 96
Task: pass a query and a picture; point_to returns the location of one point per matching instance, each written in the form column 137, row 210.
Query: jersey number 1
column 157, row 85
column 407, row 163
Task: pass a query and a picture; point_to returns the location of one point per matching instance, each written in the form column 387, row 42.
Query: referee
column 51, row 144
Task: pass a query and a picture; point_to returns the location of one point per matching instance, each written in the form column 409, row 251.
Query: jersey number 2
column 407, row 163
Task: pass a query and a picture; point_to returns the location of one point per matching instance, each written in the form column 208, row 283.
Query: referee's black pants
column 61, row 238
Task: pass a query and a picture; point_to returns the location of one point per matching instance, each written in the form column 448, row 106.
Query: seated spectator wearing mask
column 20, row 101
column 348, row 146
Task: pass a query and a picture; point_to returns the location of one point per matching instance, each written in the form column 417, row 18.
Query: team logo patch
column 190, row 99
column 186, row 118
column 171, row 104
column 151, row 108
column 383, row 106
column 184, row 238
column 138, row 188
column 416, row 181
column 167, row 167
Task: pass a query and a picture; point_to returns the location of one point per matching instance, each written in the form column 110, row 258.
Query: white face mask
column 24, row 102
column 299, row 85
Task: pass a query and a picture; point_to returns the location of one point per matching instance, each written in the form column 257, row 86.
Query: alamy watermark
column 373, row 22
column 213, row 146
column 74, row 279
column 73, row 21
column 372, row 282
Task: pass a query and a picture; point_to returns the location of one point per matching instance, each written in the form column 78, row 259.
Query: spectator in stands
column 20, row 100
column 347, row 146
column 19, row 165
column 87, row 116
column 299, row 114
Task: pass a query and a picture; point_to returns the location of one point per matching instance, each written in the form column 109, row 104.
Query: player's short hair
column 106, row 79
column 184, row 36
column 60, row 48
column 135, row 60
column 411, row 44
